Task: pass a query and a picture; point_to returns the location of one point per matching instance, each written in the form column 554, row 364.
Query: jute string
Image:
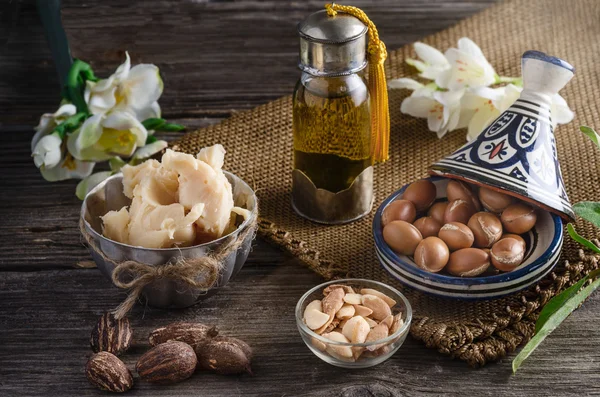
column 201, row 273
column 477, row 332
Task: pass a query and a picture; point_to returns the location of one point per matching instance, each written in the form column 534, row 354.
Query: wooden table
column 216, row 58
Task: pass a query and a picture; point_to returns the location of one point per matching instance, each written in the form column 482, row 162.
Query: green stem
column 70, row 124
column 513, row 80
column 75, row 85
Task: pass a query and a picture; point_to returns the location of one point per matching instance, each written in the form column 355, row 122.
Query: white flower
column 49, row 121
column 47, row 152
column 441, row 109
column 149, row 150
column 433, row 61
column 132, row 89
column 468, row 68
column 489, row 103
column 103, row 136
column 69, row 168
column 560, row 111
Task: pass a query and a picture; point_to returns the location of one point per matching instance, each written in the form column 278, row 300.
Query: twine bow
column 201, row 273
column 377, row 54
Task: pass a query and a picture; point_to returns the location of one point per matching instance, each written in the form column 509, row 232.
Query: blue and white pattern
column 516, row 153
column 544, row 245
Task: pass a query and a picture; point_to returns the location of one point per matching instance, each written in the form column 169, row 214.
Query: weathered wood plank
column 46, row 318
column 216, row 57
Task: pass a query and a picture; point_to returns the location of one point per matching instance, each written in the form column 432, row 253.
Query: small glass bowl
column 320, row 345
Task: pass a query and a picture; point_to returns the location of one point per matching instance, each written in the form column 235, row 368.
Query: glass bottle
column 332, row 180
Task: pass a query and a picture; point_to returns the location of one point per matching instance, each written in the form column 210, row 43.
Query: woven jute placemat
column 259, row 145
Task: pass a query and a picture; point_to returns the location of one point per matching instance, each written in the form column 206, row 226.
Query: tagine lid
column 516, row 154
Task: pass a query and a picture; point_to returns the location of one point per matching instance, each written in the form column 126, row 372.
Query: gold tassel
column 377, row 54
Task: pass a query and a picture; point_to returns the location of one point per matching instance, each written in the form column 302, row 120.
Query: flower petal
column 123, row 70
column 90, row 132
column 430, row 55
column 417, row 106
column 149, row 150
column 143, row 86
column 88, row 183
column 102, row 101
column 47, row 152
column 560, row 111
column 152, row 111
column 65, row 111
column 61, row 172
column 467, row 45
column 404, row 83
column 125, row 121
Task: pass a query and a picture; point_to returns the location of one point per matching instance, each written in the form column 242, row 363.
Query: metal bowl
column 164, row 293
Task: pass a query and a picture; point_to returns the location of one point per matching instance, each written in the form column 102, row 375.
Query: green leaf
column 171, row 127
column 161, row 125
column 590, row 133
column 116, row 163
column 553, row 321
column 557, row 302
column 150, row 139
column 70, row 124
column 581, row 240
column 153, row 123
column 588, row 210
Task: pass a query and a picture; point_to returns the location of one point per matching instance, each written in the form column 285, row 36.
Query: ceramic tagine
column 516, row 154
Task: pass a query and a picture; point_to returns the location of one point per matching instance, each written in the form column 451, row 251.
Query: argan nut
column 188, row 332
column 342, row 352
column 432, row 254
column 225, row 356
column 376, row 333
column 111, row 335
column 519, row 218
column 486, row 228
column 402, row 237
column 507, row 254
column 356, row 329
column 421, row 193
column 516, row 237
column 459, row 211
column 105, row 371
column 456, row 235
column 369, row 291
column 372, row 323
column 494, row 201
column 457, row 190
column 347, row 311
column 333, row 301
column 389, row 320
column 318, row 344
column 362, row 310
column 168, row 363
column 353, row 299
column 427, row 226
column 399, row 210
column 348, row 289
column 380, row 309
column 397, row 324
column 437, row 211
column 315, row 319
column 468, row 262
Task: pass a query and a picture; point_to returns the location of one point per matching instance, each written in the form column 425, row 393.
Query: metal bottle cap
column 332, row 46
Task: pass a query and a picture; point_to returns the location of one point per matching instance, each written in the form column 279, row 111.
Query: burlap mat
column 259, row 145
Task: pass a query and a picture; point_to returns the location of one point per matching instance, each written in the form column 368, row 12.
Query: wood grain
column 216, row 57
column 46, row 318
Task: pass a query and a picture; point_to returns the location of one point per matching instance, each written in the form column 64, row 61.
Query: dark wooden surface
column 216, row 58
